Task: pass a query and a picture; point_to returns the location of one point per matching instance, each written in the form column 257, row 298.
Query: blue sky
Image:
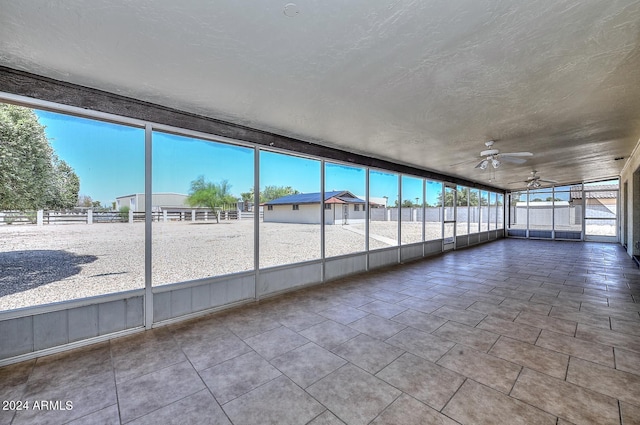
column 109, row 160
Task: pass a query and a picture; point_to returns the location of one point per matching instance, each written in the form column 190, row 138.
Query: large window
column 289, row 235
column 492, row 211
column 540, row 210
column 462, row 213
column 484, row 211
column 601, row 208
column 69, row 221
column 383, row 214
column 567, row 209
column 201, row 225
column 500, row 211
column 345, row 209
column 435, row 211
column 411, row 206
column 474, row 210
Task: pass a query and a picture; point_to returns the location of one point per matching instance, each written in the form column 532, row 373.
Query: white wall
column 307, row 214
column 310, row 214
column 633, row 201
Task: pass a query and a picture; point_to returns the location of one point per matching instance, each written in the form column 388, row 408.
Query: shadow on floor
column 23, row 270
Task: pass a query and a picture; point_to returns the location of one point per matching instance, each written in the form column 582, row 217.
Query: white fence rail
column 42, row 217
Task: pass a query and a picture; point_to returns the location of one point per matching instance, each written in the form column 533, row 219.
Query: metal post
column 399, row 218
column 256, row 217
column 322, row 215
column 367, row 218
column 148, row 293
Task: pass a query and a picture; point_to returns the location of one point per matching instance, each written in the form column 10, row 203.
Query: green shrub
column 124, row 214
column 32, row 216
column 10, row 218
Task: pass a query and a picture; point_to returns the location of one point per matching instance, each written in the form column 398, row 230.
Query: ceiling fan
column 495, row 158
column 534, row 180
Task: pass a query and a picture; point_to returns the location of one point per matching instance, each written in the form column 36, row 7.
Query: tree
column 31, row 175
column 25, row 159
column 461, row 196
column 274, row 192
column 85, row 201
column 64, row 186
column 407, row 203
column 211, row 195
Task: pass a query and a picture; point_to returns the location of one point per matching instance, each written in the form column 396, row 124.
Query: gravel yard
column 41, row 265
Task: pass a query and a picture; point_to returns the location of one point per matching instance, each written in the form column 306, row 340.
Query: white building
column 170, row 202
column 340, row 207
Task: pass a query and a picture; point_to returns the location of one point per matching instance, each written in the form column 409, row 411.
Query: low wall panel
column 382, row 258
column 281, row 279
column 344, row 266
column 411, row 252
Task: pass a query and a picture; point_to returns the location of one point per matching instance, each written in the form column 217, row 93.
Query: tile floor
column 511, row 332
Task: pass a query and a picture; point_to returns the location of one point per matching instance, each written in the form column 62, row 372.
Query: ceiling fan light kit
column 496, row 158
column 534, row 180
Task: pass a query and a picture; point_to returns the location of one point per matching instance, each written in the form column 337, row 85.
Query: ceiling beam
column 43, row 88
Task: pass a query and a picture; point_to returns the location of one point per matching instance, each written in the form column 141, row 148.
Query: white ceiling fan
column 534, row 181
column 495, row 158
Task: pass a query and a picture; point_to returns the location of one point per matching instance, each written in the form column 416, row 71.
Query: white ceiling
column 423, row 82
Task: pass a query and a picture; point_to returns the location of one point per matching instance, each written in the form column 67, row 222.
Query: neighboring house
column 601, row 200
column 375, row 202
column 340, row 207
column 170, row 202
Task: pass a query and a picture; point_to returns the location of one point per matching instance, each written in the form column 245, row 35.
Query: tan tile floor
column 511, row 332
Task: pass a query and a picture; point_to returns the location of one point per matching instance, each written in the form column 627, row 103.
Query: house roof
column 314, row 198
column 601, row 191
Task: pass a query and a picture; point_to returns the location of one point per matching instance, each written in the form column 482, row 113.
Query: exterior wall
column 310, row 214
column 160, row 201
column 631, row 175
column 434, row 214
column 337, row 214
column 307, row 214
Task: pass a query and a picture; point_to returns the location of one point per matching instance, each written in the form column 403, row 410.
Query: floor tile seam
column 403, row 392
column 13, row 417
column 96, row 411
column 533, row 405
column 572, row 355
column 387, row 406
column 26, row 383
column 165, row 366
column 318, row 415
column 466, row 378
column 317, row 380
column 611, row 345
column 166, row 405
column 247, row 392
column 343, row 342
column 115, row 382
column 620, row 412
column 442, row 356
column 494, row 357
column 593, row 390
column 615, row 370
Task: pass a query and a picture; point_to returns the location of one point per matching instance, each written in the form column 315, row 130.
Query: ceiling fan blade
column 516, row 154
column 547, row 181
column 480, row 164
column 512, row 160
column 463, row 162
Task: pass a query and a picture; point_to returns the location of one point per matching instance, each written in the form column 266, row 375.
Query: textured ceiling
column 423, row 82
